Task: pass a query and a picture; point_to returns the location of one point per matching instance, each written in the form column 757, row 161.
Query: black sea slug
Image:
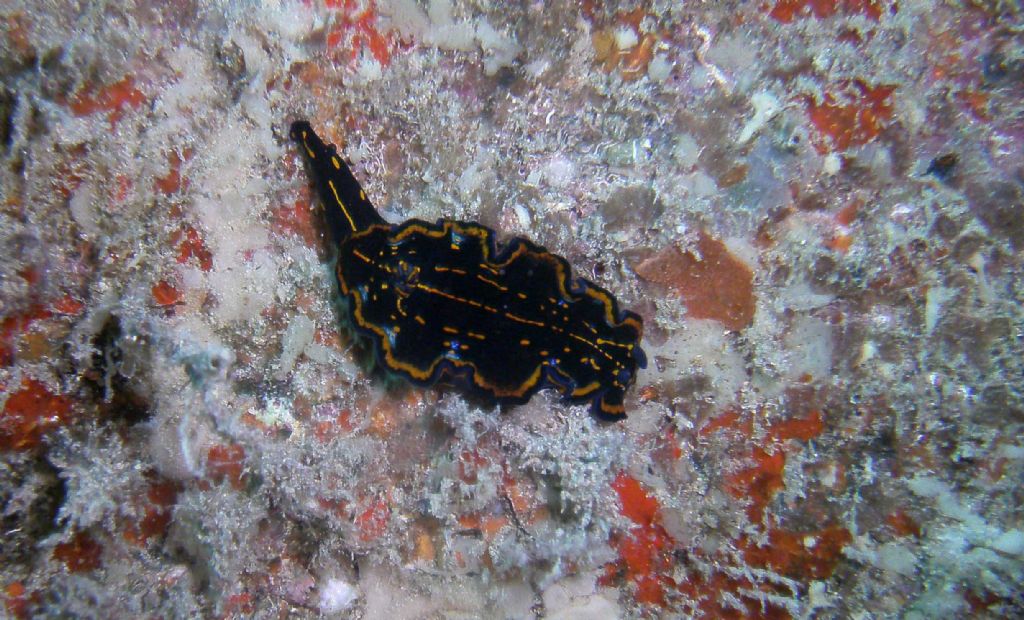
column 444, row 302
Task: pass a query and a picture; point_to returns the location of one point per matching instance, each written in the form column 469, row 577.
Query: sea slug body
column 443, row 302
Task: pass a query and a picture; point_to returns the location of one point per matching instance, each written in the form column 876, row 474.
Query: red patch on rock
column 81, row 554
column 172, row 183
column 68, row 305
column 728, row 420
column 637, row 505
column 786, row 11
column 16, row 600
column 717, row 594
column 802, row 429
column 165, row 295
column 645, row 552
column 730, row 593
column 903, row 524
column 113, row 98
column 852, row 116
column 29, row 414
column 470, row 463
column 12, row 327
column 71, row 170
column 297, row 218
column 372, row 521
column 226, row 462
column 764, row 479
column 713, row 283
column 356, row 26
column 805, row 556
column 759, row 483
column 341, row 424
column 191, row 245
column 239, row 605
column 122, row 185
column 975, row 102
column 161, row 497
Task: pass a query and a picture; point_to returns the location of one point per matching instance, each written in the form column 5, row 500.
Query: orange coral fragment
column 903, row 524
column 113, row 99
column 842, row 125
column 226, row 462
column 759, row 483
column 637, row 505
column 645, row 551
column 297, row 218
column 326, row 430
column 807, row 556
column 191, row 245
column 373, row 520
column 470, row 462
column 122, row 185
column 81, row 554
column 160, row 499
column 29, row 414
column 239, row 604
column 172, row 182
column 68, row 305
column 488, row 525
column 358, row 25
column 976, row 102
column 848, row 214
column 804, row 429
column 15, row 600
column 12, row 327
column 713, row 283
column 786, row 11
column 728, row 597
column 840, row 243
column 165, row 295
column 636, row 59
column 728, row 420
column 631, row 61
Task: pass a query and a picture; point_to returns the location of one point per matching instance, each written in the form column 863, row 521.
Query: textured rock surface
column 815, row 205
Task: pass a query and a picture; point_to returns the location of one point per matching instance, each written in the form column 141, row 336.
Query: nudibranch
column 444, row 302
